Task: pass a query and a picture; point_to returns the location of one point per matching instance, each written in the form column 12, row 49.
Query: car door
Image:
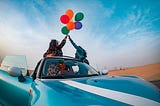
column 13, row 92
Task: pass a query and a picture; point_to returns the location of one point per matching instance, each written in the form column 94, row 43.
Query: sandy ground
column 149, row 72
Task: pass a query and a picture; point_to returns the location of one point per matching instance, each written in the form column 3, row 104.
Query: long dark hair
column 52, row 44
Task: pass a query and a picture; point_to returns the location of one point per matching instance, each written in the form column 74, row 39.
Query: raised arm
column 63, row 42
column 74, row 45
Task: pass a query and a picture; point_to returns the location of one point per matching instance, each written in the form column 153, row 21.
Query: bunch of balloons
column 70, row 25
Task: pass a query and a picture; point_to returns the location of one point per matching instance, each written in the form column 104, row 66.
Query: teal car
column 66, row 81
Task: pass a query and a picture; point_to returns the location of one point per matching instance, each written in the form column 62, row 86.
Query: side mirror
column 21, row 78
column 104, row 72
column 14, row 71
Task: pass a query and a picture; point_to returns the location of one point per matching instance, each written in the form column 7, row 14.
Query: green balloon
column 79, row 16
column 64, row 30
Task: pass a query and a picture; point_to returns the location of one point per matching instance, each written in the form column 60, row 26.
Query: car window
column 66, row 68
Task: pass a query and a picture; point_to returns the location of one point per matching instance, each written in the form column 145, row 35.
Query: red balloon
column 64, row 19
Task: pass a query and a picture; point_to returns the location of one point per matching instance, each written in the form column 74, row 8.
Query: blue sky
column 115, row 33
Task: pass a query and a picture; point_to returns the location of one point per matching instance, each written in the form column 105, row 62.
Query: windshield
column 15, row 61
column 62, row 68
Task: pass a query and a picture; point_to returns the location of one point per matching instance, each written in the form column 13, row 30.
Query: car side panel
column 14, row 92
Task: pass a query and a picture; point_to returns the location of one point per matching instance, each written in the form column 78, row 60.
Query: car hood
column 102, row 90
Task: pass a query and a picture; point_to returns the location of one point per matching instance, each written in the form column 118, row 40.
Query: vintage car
column 66, row 81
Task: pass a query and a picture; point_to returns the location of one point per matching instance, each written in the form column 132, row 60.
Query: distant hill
column 149, row 72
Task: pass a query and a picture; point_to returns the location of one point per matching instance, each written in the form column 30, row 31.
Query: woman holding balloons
column 80, row 52
column 70, row 25
column 55, row 49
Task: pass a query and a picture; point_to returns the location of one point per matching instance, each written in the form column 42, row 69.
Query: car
column 66, row 81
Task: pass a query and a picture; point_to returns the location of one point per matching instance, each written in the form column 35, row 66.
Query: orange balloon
column 70, row 26
column 69, row 13
column 71, row 20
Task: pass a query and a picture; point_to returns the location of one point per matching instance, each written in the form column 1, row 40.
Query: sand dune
column 149, row 72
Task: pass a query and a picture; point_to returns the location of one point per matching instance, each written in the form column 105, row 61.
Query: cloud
column 109, row 41
column 19, row 36
column 128, row 36
column 109, row 11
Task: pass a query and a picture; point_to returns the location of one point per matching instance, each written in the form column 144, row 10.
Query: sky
column 115, row 33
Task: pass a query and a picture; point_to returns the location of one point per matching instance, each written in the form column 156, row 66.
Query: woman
column 55, row 49
column 80, row 52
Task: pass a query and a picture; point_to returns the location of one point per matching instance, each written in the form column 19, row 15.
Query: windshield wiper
column 93, row 75
column 53, row 77
column 79, row 76
column 67, row 76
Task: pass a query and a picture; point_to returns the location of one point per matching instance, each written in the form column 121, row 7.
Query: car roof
column 62, row 57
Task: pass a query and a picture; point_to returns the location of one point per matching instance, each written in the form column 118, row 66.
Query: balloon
column 79, row 16
column 71, row 20
column 78, row 25
column 64, row 19
column 69, row 13
column 70, row 26
column 64, row 30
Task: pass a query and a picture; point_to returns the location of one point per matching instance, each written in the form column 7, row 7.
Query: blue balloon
column 78, row 25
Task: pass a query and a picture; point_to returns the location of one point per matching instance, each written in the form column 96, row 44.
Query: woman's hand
column 66, row 37
column 69, row 37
